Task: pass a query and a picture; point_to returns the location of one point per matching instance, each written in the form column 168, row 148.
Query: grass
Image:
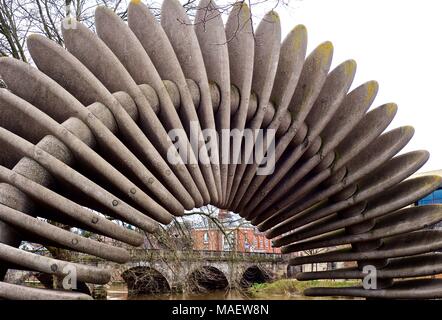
column 294, row 287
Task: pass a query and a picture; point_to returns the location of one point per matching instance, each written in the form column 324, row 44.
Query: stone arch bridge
column 165, row 270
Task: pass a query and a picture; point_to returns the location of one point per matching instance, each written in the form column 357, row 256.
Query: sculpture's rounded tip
column 102, row 10
column 33, row 39
column 300, row 28
column 326, row 48
column 391, row 109
column 272, row 16
column 409, row 130
column 35, row 36
column 350, row 67
column 298, row 37
column 372, row 89
column 243, row 5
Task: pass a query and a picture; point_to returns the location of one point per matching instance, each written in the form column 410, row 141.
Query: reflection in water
column 119, row 292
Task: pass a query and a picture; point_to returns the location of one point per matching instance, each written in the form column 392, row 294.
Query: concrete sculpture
column 88, row 128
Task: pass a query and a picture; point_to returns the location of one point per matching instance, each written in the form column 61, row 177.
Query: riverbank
column 292, row 287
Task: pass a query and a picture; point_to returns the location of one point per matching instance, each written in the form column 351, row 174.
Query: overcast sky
column 397, row 43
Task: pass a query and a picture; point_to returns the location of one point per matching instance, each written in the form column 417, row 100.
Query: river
column 119, row 292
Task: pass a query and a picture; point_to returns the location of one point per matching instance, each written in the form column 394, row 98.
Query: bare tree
column 19, row 18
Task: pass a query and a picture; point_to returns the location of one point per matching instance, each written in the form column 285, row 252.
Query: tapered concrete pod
column 335, row 88
column 209, row 30
column 241, row 47
column 267, row 48
column 182, row 37
column 88, row 137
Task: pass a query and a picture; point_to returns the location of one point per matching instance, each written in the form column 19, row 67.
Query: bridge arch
column 207, row 278
column 145, row 279
column 254, row 274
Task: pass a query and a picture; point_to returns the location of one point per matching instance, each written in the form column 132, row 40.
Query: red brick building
column 236, row 238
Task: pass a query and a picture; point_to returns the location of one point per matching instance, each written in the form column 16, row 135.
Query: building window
column 255, row 244
column 432, row 198
column 206, row 237
column 229, row 241
column 261, row 243
column 246, row 245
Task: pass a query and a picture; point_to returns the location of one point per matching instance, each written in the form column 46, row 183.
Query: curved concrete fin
column 155, row 42
column 291, row 60
column 16, row 292
column 398, row 196
column 405, row 289
column 409, row 165
column 369, row 128
column 398, row 168
column 66, row 207
column 333, row 92
column 69, row 175
column 182, row 37
column 24, row 123
column 124, row 44
column 416, row 242
column 46, row 95
column 356, row 103
column 66, row 70
column 283, row 196
column 53, row 234
column 31, row 261
column 265, row 64
column 209, row 30
column 376, row 183
column 267, row 50
column 312, row 78
column 35, row 87
column 376, row 153
column 405, row 267
column 82, row 151
column 400, row 222
column 283, row 189
column 88, row 48
column 330, row 98
column 241, row 47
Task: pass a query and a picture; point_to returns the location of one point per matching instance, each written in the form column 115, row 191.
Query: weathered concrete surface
column 89, row 129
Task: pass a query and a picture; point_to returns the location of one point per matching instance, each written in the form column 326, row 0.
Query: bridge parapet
column 151, row 255
column 207, row 255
